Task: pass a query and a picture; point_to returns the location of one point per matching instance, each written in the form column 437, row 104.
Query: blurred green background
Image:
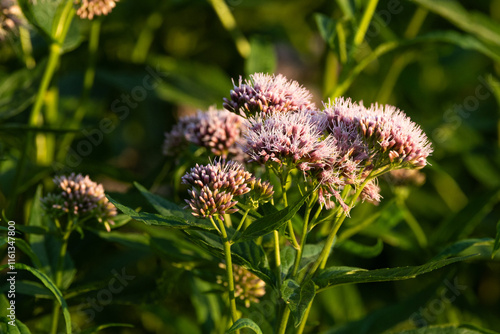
column 437, row 61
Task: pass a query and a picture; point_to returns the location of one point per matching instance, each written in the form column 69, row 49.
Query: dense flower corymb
column 214, row 187
column 267, row 93
column 286, row 139
column 247, row 286
column 87, row 9
column 217, row 130
column 78, row 196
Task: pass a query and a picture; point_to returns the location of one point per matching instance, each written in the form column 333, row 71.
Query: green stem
column 59, row 274
column 27, row 48
column 365, row 22
column 283, row 180
column 277, row 257
column 52, row 64
column 88, row 82
column 229, row 23
column 146, row 37
column 242, row 221
column 412, row 223
column 341, row 216
column 284, row 320
column 229, row 269
column 305, row 229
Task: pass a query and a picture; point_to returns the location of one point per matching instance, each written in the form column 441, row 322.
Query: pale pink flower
column 371, row 192
column 217, row 130
column 398, row 140
column 390, row 136
column 267, row 94
column 287, row 139
column 78, row 196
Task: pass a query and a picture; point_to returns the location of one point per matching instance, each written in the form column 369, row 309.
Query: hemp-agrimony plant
column 76, row 200
column 272, row 180
column 333, row 155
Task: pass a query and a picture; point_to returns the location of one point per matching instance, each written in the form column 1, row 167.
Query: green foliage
column 96, row 97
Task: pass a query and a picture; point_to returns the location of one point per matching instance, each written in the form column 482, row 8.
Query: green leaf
column 167, row 208
column 49, row 285
column 287, row 256
column 472, row 22
column 462, row 223
column 262, row 57
column 361, row 250
column 130, row 240
column 479, row 329
column 326, row 27
column 156, row 219
column 344, row 275
column 298, row 297
column 32, row 289
column 272, row 222
column 244, row 323
column 385, row 318
column 38, row 241
column 461, row 246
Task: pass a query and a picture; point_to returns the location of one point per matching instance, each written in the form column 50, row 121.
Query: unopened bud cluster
column 79, row 197
column 214, row 186
column 87, row 9
column 247, row 286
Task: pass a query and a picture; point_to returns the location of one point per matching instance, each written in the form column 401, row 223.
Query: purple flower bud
column 267, row 94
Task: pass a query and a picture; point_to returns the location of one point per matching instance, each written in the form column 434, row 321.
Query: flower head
column 267, row 94
column 206, row 202
column 217, row 130
column 261, row 192
column 286, row 139
column 214, row 186
column 390, row 136
column 371, row 192
column 87, row 9
column 11, row 17
column 80, row 197
column 398, row 139
column 247, row 286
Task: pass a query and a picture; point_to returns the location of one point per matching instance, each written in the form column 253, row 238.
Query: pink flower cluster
column 78, row 196
column 217, row 130
column 343, row 144
column 267, row 93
